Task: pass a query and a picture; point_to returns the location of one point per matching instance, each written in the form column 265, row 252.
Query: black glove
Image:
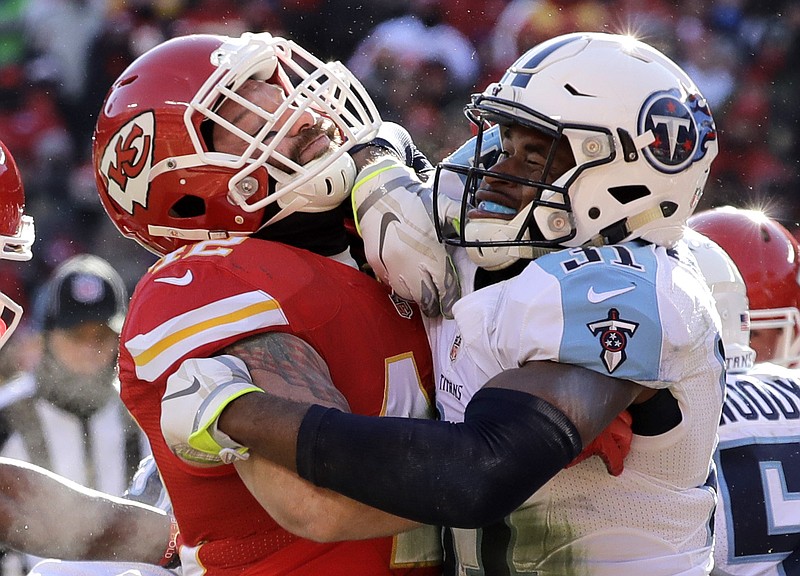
column 396, row 139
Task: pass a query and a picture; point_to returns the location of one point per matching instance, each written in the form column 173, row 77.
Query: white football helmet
column 640, row 132
column 730, row 296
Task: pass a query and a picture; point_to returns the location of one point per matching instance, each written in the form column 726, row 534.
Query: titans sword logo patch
column 614, row 333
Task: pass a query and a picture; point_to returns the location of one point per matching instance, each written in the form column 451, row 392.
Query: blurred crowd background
column 420, row 59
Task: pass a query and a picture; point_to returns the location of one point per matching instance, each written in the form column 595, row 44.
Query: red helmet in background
column 157, row 176
column 16, row 229
column 16, row 235
column 768, row 257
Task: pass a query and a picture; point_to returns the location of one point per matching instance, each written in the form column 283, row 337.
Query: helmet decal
column 681, row 130
column 707, row 130
column 674, row 132
column 519, row 74
column 127, row 161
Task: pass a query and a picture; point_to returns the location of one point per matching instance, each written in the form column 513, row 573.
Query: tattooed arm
column 292, row 369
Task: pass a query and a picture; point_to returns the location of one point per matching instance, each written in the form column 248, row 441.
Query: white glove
column 393, row 213
column 195, row 396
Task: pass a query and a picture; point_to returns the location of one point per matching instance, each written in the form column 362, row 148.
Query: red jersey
column 201, row 298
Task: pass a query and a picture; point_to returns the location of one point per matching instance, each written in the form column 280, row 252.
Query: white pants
column 65, row 568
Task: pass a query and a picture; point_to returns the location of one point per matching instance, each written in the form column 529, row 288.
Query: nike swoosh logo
column 386, row 220
column 195, row 386
column 184, row 280
column 595, row 297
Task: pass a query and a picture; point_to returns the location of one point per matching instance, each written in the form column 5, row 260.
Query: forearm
column 35, row 502
column 461, row 475
column 312, row 512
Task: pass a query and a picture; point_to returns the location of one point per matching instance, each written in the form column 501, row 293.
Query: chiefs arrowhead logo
column 127, row 160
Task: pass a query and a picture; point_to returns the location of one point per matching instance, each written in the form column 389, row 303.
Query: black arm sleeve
column 462, row 475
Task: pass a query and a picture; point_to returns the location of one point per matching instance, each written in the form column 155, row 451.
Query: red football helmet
column 768, row 258
column 16, row 235
column 163, row 185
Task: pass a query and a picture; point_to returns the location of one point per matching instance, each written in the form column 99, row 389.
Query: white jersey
column 758, row 461
column 633, row 311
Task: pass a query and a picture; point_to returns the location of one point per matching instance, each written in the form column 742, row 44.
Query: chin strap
column 617, row 232
column 193, row 234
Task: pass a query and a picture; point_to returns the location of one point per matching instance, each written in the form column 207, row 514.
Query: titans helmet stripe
column 521, row 80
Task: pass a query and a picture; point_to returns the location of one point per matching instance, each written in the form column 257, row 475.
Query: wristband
column 171, row 559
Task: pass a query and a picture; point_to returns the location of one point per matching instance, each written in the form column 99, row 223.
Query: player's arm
column 286, row 365
column 312, row 512
column 290, row 369
column 47, row 515
column 519, row 431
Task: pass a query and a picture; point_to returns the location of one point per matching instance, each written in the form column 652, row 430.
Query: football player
column 579, row 299
column 42, row 513
column 203, row 142
column 757, row 524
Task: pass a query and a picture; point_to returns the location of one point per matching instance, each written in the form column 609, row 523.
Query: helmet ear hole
column 188, row 207
column 626, row 194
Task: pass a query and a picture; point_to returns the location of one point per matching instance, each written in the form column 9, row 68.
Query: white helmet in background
column 730, row 296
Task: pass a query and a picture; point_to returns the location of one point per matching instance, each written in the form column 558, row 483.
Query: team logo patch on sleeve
column 614, row 333
column 455, row 348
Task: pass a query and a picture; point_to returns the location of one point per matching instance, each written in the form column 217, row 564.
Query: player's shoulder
column 209, row 280
column 590, row 275
column 636, row 257
column 210, row 270
column 230, row 254
column 769, row 371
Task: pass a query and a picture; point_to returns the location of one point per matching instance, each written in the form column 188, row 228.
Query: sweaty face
column 525, row 156
column 310, row 136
